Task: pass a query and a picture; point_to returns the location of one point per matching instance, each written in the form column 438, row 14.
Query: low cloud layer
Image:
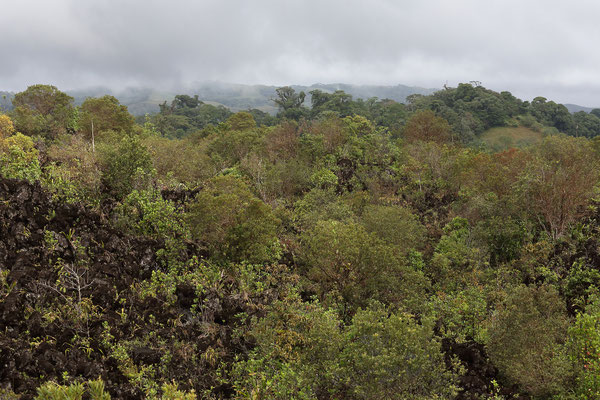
column 538, row 47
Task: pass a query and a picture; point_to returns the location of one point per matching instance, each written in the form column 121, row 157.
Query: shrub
column 233, row 223
column 19, row 158
column 126, row 166
column 527, row 338
column 584, row 337
column 304, row 352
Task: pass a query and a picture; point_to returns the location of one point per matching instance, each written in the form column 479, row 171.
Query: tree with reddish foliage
column 558, row 182
column 427, row 127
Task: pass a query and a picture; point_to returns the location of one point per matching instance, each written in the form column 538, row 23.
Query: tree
column 102, row 114
column 289, row 102
column 584, row 337
column 44, row 110
column 187, row 114
column 391, row 356
column 19, row 158
column 558, row 181
column 355, row 266
column 303, row 351
column 6, row 126
column 426, row 126
column 233, row 223
column 552, row 114
column 185, row 101
column 586, row 125
column 527, row 337
column 126, row 166
column 241, row 121
column 339, row 102
column 395, row 225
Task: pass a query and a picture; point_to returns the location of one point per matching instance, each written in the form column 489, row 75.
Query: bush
column 302, row 353
column 584, row 337
column 126, row 166
column 527, row 337
column 147, row 213
column 391, row 356
column 343, row 260
column 75, row 391
column 233, row 223
column 19, row 158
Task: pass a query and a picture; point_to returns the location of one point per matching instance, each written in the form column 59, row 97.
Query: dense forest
column 446, row 248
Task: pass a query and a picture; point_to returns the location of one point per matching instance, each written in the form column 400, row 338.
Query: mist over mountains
column 145, row 100
column 142, row 100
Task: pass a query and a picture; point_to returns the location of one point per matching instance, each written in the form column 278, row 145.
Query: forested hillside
column 143, row 100
column 446, row 248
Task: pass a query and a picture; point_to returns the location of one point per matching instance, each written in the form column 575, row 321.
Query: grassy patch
column 502, row 138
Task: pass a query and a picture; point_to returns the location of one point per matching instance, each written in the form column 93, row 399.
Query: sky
column 528, row 47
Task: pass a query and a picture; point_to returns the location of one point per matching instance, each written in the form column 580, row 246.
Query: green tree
column 389, row 355
column 19, row 158
column 395, row 225
column 527, row 336
column 6, row 126
column 126, row 166
column 233, row 223
column 43, row 110
column 356, row 266
column 303, row 351
column 103, row 114
column 297, row 345
column 289, row 102
column 584, row 337
column 241, row 121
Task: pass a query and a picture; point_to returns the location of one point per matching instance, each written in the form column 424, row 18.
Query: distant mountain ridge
column 144, row 100
column 241, row 97
column 573, row 108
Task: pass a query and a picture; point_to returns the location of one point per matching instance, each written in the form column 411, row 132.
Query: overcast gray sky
column 529, row 47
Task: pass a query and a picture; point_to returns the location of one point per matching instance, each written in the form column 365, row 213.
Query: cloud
column 529, row 48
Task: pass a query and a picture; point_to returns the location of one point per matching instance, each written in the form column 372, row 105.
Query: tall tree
column 558, row 182
column 104, row 113
column 426, row 126
column 289, row 102
column 44, row 110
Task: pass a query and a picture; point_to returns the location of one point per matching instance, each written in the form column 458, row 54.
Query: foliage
column 349, row 248
column 584, row 336
column 527, row 340
column 395, row 225
column 73, row 172
column 180, row 161
column 289, row 103
column 303, row 352
column 356, row 266
column 104, row 114
column 43, row 110
column 126, row 166
column 75, row 391
column 6, row 126
column 426, row 126
column 233, row 223
column 557, row 182
column 389, row 356
column 241, row 121
column 19, row 158
column 147, row 213
column 186, row 115
column 94, row 390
